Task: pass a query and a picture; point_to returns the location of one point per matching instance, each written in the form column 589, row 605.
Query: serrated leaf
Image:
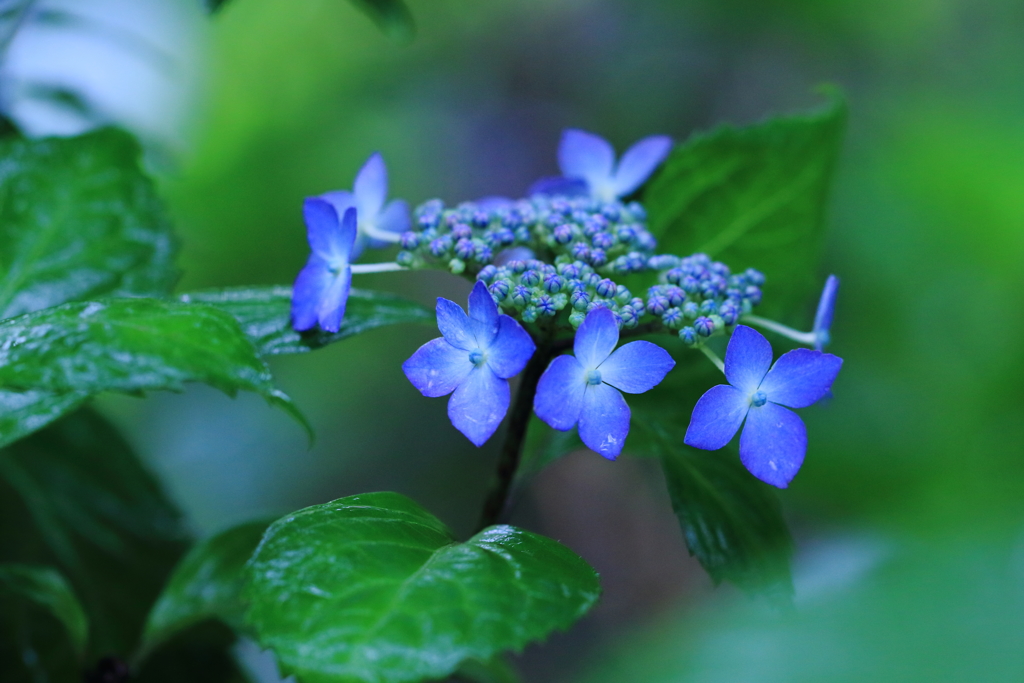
column 132, row 345
column 76, row 497
column 206, row 584
column 42, row 627
column 79, row 220
column 732, row 522
column 265, row 316
column 374, row 588
column 753, row 197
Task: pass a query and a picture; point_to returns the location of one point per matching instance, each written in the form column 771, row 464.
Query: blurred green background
column 909, row 510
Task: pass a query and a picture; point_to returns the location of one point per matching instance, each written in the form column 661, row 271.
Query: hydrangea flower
column 379, row 224
column 774, row 439
column 474, row 358
column 823, row 317
column 587, row 162
column 322, row 287
column 586, row 389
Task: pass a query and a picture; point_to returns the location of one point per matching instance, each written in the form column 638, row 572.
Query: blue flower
column 475, row 358
column 587, row 162
column 823, row 318
column 585, row 389
column 774, row 439
column 380, row 224
column 321, row 289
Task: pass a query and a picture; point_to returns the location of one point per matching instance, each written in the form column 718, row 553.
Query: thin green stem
column 713, row 357
column 796, row 335
column 362, row 268
column 381, row 235
column 512, row 448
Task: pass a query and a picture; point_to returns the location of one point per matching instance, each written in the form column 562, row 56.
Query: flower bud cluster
column 472, row 235
column 544, row 255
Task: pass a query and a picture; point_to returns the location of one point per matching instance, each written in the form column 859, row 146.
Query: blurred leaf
column 206, row 584
column 201, row 654
column 753, row 197
column 32, row 647
column 23, row 412
column 374, row 588
column 265, row 316
column 78, row 220
column 392, row 17
column 75, row 496
column 544, row 446
column 132, row 345
column 731, row 521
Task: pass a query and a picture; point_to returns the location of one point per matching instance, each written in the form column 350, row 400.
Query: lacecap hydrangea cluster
column 552, row 265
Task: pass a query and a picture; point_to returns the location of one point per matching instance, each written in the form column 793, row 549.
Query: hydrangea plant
column 602, row 304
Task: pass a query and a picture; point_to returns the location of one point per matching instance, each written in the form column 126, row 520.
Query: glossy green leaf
column 206, row 584
column 374, row 588
column 731, row 521
column 753, row 197
column 79, row 220
column 265, row 315
column 131, row 345
column 74, row 496
column 23, row 412
column 43, row 630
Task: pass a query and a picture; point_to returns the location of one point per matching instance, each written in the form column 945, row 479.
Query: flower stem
column 512, row 448
column 713, row 357
column 779, row 328
column 358, row 268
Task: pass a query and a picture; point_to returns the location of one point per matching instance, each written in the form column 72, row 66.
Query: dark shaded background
column 909, row 510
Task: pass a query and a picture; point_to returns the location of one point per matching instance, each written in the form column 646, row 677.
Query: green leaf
column 132, row 345
column 76, row 497
column 374, row 588
column 206, row 584
column 23, row 412
column 392, row 17
column 265, row 316
column 753, row 197
column 79, row 220
column 43, row 630
column 731, row 521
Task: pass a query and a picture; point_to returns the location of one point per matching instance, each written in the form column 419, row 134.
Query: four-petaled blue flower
column 774, row 439
column 823, row 318
column 475, row 358
column 368, row 196
column 587, row 162
column 585, row 389
column 321, row 289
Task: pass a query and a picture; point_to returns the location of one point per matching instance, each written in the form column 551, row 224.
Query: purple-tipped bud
column 673, row 319
column 730, row 312
column 709, row 307
column 625, row 234
column 610, row 211
column 569, row 270
column 719, row 268
column 604, row 240
column 581, row 251
column 676, row 295
column 623, row 295
column 487, row 274
column 638, row 211
column 704, row 326
column 753, row 294
column 530, row 278
column 464, row 248
column 483, row 253
column 428, row 221
column 409, row 240
column 637, row 304
column 576, row 318
column 499, row 290
column 553, row 283
column 755, row 277
column 405, row 258
column 597, row 257
column 690, row 284
column 461, row 231
column 545, row 306
column 688, row 335
column 529, row 314
column 563, row 234
column 521, row 295
column 607, row 288
column 481, row 218
column 629, row 317
column 516, row 266
column 691, row 310
column 440, row 246
column 657, row 304
column 580, row 300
